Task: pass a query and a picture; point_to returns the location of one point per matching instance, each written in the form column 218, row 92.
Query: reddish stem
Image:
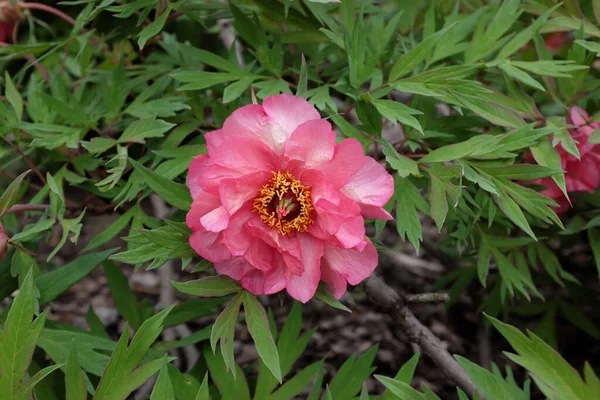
column 27, row 207
column 52, row 10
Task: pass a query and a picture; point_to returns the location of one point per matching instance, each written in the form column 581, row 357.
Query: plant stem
column 27, row 207
column 44, row 7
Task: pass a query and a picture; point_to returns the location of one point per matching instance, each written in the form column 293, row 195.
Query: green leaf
column 350, row 377
column 212, row 286
column 475, row 146
column 405, row 375
column 236, row 89
column 413, row 57
column 590, row 46
column 403, row 165
column 18, row 340
column 408, row 222
column 398, row 112
column 197, row 80
column 32, row 231
column 123, row 296
column 552, row 374
column 298, row 383
column 11, row 194
column 525, row 172
column 224, row 329
column 323, row 295
column 258, row 326
column 137, row 131
column 124, row 374
column 173, row 193
column 400, row 389
column 513, row 212
column 99, row 145
column 302, row 89
column 163, row 389
column 524, row 36
column 74, row 378
column 203, row 393
column 442, row 190
column 56, row 282
column 153, row 28
column 231, row 386
column 491, row 387
column 13, row 97
column 546, row 155
column 520, row 75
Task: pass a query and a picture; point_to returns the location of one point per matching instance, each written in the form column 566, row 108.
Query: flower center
column 284, row 203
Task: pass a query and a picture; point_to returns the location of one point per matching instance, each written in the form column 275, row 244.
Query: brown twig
column 427, row 298
column 27, row 207
column 383, row 295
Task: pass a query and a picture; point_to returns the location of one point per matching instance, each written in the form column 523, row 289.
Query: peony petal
column 260, row 255
column 372, row 212
column 196, row 168
column 273, row 122
column 335, row 280
column 344, row 163
column 303, row 287
column 208, row 245
column 371, row 185
column 276, row 279
column 312, row 142
column 236, row 237
column 254, row 282
column 235, row 268
column 351, row 232
column 216, row 220
column 211, row 177
column 203, row 204
column 355, row 265
column 578, row 116
column 235, row 192
column 244, row 155
column 286, row 113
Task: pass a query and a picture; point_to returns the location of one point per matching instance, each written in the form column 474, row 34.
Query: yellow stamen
column 281, row 197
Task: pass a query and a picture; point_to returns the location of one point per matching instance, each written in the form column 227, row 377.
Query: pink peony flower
column 279, row 205
column 581, row 175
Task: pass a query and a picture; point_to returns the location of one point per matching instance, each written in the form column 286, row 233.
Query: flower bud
column 9, row 16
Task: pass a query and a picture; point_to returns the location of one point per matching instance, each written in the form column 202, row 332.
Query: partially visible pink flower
column 581, row 175
column 557, row 40
column 3, row 243
column 278, row 204
column 9, row 16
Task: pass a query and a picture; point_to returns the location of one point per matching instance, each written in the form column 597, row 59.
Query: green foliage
column 466, row 104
